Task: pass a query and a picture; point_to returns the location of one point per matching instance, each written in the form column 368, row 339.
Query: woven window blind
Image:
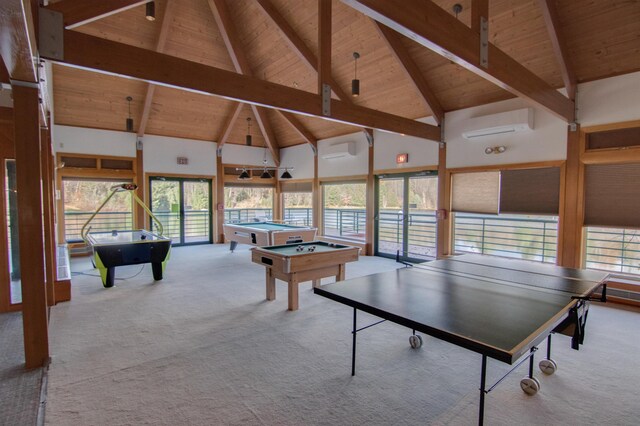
column 475, row 192
column 296, row 186
column 530, row 191
column 612, row 195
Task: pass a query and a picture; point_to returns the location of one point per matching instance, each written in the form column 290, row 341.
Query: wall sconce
column 495, row 149
column 151, row 11
column 247, row 139
column 129, row 122
column 355, row 83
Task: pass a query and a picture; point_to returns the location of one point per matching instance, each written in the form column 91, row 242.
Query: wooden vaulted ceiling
column 602, row 39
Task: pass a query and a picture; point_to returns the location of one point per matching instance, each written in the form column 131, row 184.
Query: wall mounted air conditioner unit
column 339, row 150
column 508, row 122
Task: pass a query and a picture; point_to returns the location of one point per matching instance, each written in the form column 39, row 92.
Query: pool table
column 120, row 248
column 266, row 233
column 296, row 263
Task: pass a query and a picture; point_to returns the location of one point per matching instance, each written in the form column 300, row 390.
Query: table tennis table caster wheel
column 548, row 366
column 415, row 341
column 530, row 385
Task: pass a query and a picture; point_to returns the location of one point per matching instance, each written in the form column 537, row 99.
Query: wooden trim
column 5, row 279
column 611, row 156
column 148, row 175
column 439, row 31
column 34, row 297
column 558, row 41
column 50, row 251
column 82, row 50
column 513, row 166
column 443, row 221
column 611, row 126
column 140, row 215
column 344, row 179
column 219, row 206
column 370, row 201
column 405, row 170
column 571, row 209
column 316, row 197
column 411, row 70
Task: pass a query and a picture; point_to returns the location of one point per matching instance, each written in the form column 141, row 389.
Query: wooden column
column 443, row 220
column 370, row 203
column 50, row 257
column 278, row 213
column 317, row 196
column 141, row 217
column 570, row 222
column 324, row 43
column 219, row 214
column 34, row 295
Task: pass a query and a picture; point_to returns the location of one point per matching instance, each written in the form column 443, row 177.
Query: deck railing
column 616, row 250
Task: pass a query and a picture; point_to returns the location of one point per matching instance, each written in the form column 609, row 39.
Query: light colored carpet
column 203, row 347
column 19, row 388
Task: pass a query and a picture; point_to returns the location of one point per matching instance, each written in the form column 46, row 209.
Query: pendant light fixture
column 129, row 119
column 265, row 173
column 151, row 11
column 248, row 137
column 286, row 174
column 355, row 83
column 244, row 175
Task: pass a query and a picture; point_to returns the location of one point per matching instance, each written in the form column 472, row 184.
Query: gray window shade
column 612, row 195
column 475, row 192
column 296, row 186
column 530, row 191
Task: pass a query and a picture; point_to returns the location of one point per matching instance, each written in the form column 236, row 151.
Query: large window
column 511, row 213
column 247, row 203
column 344, row 210
column 613, row 249
column 82, row 197
column 297, row 198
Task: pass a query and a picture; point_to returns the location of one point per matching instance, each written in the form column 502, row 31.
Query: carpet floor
column 204, row 347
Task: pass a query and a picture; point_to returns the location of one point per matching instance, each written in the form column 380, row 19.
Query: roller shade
column 612, row 195
column 475, row 192
column 530, row 191
column 296, row 186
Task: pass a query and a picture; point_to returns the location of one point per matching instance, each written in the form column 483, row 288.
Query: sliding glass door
column 183, row 206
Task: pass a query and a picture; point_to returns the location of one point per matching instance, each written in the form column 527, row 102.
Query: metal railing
column 347, row 223
column 421, row 241
column 611, row 249
column 509, row 236
column 103, row 222
column 247, row 215
column 196, row 224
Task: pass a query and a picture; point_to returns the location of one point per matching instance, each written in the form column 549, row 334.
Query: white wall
column 161, row 154
column 300, row 157
column 245, row 155
column 422, row 152
column 345, row 166
column 546, row 142
column 79, row 140
column 609, row 100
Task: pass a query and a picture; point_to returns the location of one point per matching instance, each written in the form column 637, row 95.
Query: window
column 511, row 213
column 82, row 197
column 247, row 203
column 344, row 210
column 613, row 249
column 298, row 202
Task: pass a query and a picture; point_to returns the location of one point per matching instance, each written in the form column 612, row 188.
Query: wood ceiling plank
column 234, row 47
column 300, row 129
column 17, row 40
column 90, row 52
column 167, row 18
column 77, row 13
column 439, row 31
column 411, row 70
column 558, row 41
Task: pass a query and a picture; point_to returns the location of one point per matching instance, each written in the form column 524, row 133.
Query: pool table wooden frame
column 251, row 233
column 302, row 266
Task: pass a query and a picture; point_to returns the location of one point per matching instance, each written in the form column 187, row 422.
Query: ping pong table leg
column 483, row 391
column 353, row 353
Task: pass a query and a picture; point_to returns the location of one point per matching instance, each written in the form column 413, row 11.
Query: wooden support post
column 219, row 200
column 317, row 197
column 141, row 217
column 47, row 207
column 443, row 220
column 370, row 203
column 34, row 295
column 570, row 221
column 324, row 43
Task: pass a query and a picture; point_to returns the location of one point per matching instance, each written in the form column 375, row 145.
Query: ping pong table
column 500, row 308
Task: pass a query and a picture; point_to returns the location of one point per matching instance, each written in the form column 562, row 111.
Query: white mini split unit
column 520, row 120
column 339, row 150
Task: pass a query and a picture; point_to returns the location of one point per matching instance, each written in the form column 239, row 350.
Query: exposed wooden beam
column 169, row 11
column 479, row 9
column 226, row 130
column 95, row 53
column 411, row 70
column 324, row 44
column 431, row 26
column 82, row 12
column 558, row 41
column 298, row 45
column 6, row 115
column 241, row 65
column 17, row 40
column 302, row 131
column 4, row 74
